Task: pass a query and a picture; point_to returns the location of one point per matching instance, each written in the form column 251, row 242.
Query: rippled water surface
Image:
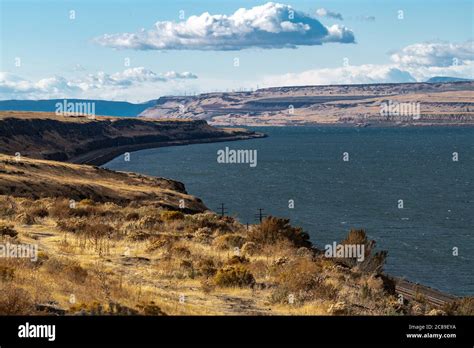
column 331, row 196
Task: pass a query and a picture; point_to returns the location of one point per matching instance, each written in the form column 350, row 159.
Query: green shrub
column 234, row 276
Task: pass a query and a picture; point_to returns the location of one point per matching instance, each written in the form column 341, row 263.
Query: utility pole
column 222, row 210
column 260, row 214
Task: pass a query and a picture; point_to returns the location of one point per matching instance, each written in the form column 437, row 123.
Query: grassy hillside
column 117, row 243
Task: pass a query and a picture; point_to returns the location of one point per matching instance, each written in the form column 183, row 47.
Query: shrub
column 302, row 279
column 213, row 222
column 206, row 267
column 39, row 212
column 249, row 248
column 207, row 285
column 203, row 235
column 42, row 258
column 161, row 241
column 171, row 215
column 181, row 251
column 373, row 262
column 6, row 273
column 8, row 206
column 15, row 301
column 228, row 241
column 138, row 236
column 26, row 218
column 71, row 225
column 273, row 229
column 96, row 308
column 151, row 309
column 69, row 268
column 149, row 222
column 234, row 276
column 132, row 216
column 87, row 201
column 464, row 306
column 8, row 230
column 235, row 260
column 82, row 212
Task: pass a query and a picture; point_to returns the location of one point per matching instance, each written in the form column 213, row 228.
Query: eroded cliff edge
column 97, row 140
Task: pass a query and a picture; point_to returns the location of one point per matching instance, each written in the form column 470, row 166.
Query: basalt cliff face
column 447, row 103
column 95, row 141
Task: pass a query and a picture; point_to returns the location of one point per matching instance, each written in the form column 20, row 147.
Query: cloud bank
column 120, row 84
column 271, row 25
column 413, row 63
column 435, row 54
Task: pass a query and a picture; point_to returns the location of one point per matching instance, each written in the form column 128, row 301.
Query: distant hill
column 443, row 79
column 102, row 107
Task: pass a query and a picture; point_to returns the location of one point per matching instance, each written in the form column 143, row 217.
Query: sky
column 141, row 50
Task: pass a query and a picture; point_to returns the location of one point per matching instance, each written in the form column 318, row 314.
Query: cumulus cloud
column 322, row 12
column 132, row 76
column 413, row 63
column 13, row 86
column 271, row 25
column 368, row 73
column 441, row 54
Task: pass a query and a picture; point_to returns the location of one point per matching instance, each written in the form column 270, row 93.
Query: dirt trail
column 139, row 270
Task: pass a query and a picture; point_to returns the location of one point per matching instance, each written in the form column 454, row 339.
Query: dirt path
column 139, row 270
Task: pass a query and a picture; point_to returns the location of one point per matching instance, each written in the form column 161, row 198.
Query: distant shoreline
column 102, row 156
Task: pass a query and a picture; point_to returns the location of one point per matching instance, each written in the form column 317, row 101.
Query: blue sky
column 45, row 54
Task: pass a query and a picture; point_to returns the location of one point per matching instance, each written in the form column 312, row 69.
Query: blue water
column 331, row 196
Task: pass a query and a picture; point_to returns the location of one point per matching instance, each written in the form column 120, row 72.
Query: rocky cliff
column 95, row 141
column 439, row 103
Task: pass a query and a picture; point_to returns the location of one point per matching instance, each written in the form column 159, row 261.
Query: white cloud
column 322, row 12
column 368, row 73
column 414, row 63
column 442, row 54
column 271, row 25
column 128, row 84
